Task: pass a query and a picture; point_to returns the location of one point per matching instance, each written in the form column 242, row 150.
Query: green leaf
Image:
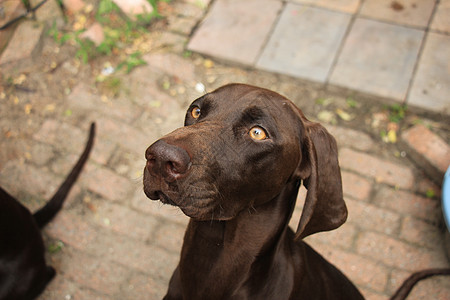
column 56, row 247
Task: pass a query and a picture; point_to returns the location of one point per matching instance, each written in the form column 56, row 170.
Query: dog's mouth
column 165, row 199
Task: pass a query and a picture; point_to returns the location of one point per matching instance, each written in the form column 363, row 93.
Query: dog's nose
column 166, row 160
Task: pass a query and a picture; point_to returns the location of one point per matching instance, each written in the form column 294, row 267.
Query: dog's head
column 240, row 146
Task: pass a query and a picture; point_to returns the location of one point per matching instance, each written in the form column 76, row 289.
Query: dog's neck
column 238, row 243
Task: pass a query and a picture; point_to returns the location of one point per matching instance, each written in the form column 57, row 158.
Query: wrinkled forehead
column 236, row 99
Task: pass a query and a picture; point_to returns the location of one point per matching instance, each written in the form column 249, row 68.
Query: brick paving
column 117, row 244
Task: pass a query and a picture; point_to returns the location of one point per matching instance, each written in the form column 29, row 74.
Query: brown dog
column 235, row 169
column 23, row 271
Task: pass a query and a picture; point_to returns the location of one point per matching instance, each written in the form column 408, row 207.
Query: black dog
column 235, row 169
column 23, row 271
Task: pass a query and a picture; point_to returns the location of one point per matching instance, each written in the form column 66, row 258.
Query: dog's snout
column 166, row 160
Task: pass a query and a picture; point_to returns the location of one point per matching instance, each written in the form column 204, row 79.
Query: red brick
column 370, row 217
column 123, row 220
column 429, row 146
column 399, row 254
column 355, row 186
column 351, row 138
column 408, row 204
column 362, row 271
column 107, row 184
column 421, row 233
column 379, row 169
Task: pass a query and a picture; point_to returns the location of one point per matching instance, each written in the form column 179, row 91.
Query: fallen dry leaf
column 28, row 108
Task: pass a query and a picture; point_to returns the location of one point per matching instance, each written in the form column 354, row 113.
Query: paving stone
column 49, row 11
column 399, row 254
column 436, row 288
column 62, row 135
column 94, row 33
column 72, row 230
column 406, row 12
column 124, row 134
column 355, row 187
column 351, row 138
column 98, row 274
column 421, row 233
column 62, row 288
column 169, row 236
column 441, row 22
column 107, row 184
column 73, row 5
column 407, row 203
column 24, row 44
column 190, row 9
column 133, row 8
column 240, row 38
column 428, row 150
column 348, row 6
column 123, row 220
column 11, row 10
column 431, row 85
column 157, row 209
column 378, row 58
column 40, row 184
column 342, row 237
column 141, row 285
column 379, row 169
column 370, row 217
column 132, row 253
column 305, row 42
column 173, row 65
column 87, row 99
column 361, row 270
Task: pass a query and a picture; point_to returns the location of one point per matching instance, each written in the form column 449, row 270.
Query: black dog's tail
column 49, row 210
column 409, row 283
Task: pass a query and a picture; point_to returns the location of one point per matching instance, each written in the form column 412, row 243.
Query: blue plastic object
column 446, row 198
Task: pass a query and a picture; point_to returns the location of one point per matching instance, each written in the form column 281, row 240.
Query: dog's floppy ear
column 324, row 208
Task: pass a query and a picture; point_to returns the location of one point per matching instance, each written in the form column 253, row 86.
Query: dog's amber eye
column 195, row 113
column 257, row 133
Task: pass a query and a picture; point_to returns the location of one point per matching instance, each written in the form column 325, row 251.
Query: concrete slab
column 236, row 30
column 305, row 42
column 441, row 20
column 378, row 58
column 406, row 12
column 348, row 6
column 431, row 85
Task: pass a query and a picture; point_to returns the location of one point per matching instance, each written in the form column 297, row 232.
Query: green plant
column 397, row 112
column 120, row 33
column 132, row 61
